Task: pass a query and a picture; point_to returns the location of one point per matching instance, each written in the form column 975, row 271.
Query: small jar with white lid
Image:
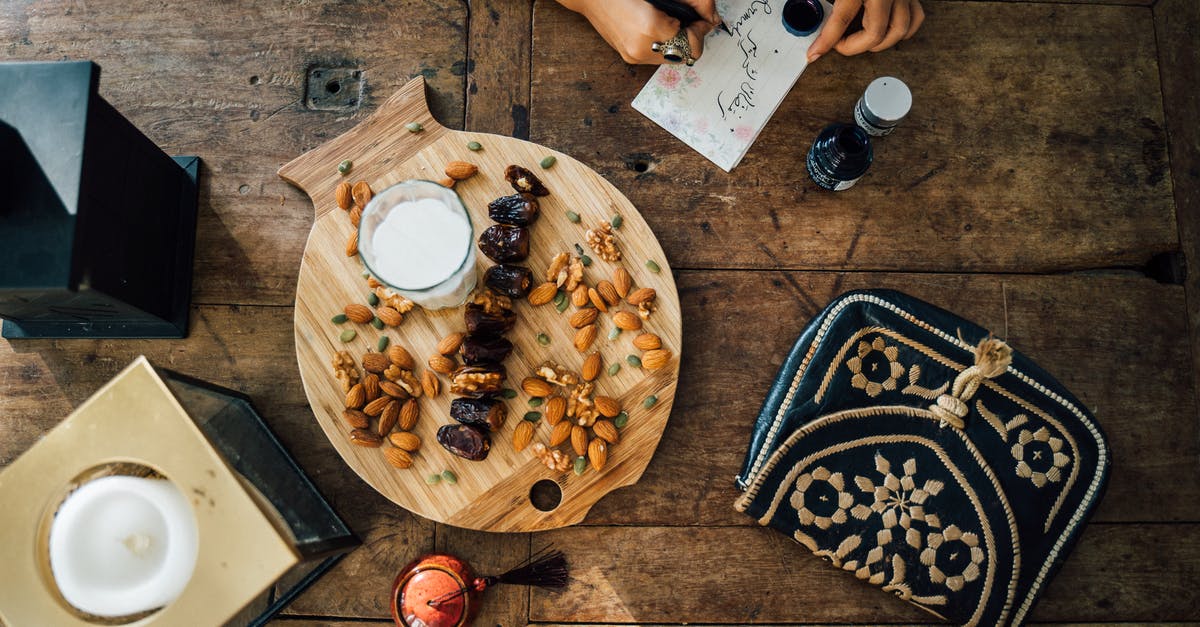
column 885, row 102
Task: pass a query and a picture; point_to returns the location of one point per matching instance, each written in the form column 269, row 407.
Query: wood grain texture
column 1028, row 149
column 498, row 67
column 491, row 495
column 747, row 576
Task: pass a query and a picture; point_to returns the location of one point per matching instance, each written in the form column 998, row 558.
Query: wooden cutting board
column 493, row 494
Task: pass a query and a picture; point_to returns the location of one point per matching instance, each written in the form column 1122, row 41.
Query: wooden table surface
column 1046, row 185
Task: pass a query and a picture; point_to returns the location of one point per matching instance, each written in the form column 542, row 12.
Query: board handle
column 374, row 146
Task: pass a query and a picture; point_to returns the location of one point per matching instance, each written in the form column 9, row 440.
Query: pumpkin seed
column 365, row 273
column 432, row 479
column 559, row 297
column 543, row 339
column 508, row 393
column 614, row 369
column 616, row 221
column 345, row 166
column 580, row 465
column 614, row 333
column 339, row 319
column 573, row 217
column 382, row 344
column 650, row 401
column 475, row 146
column 561, row 307
column 585, row 260
column 652, row 266
column 621, row 420
column 348, row 335
column 634, row 361
column 450, row 477
column 578, row 249
column 548, row 162
column 536, row 401
column 372, row 299
column 533, row 416
column 377, row 323
column 414, row 127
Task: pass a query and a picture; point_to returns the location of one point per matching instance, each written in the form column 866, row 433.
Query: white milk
column 420, row 245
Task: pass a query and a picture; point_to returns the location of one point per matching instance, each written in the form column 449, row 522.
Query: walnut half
column 603, row 243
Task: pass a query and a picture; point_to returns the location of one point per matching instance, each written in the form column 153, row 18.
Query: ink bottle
column 840, row 156
column 884, row 103
column 802, row 17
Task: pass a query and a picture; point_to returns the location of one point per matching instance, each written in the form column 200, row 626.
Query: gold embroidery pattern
column 1039, row 456
column 870, row 381
column 830, row 488
column 960, row 549
column 898, row 501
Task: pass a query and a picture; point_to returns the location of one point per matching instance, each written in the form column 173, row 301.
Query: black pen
column 685, row 13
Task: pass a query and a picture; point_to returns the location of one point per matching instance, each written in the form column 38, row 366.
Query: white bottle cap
column 887, row 100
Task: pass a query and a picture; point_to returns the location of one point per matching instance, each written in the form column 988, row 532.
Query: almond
column 371, row 386
column 647, row 342
column 447, row 182
column 389, row 418
column 607, row 406
column 359, row 313
column 655, row 359
column 362, row 194
column 355, row 215
column 585, row 336
column 597, row 300
column 356, row 396
column 641, row 295
column 597, row 452
column 352, row 244
column 409, row 414
column 401, row 357
column 406, row 441
column 398, row 457
column 627, row 320
column 373, row 282
column 591, row 367
column 449, row 344
column 607, row 431
column 375, row 362
column 363, row 437
column 542, row 294
column 583, row 317
column 579, row 440
column 622, row 281
column 556, row 409
column 522, row 435
column 376, row 407
column 561, row 432
column 534, row 386
column 393, row 390
column 389, row 316
column 343, row 196
column 579, row 297
column 441, row 364
column 430, row 384
column 356, row 419
column 608, row 292
column 460, row 170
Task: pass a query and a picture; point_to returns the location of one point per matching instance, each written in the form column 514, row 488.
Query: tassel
column 546, row 568
column 993, row 357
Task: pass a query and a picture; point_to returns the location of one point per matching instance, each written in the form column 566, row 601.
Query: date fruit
column 503, row 243
column 478, row 380
column 465, row 441
column 524, row 181
column 518, row 209
column 485, row 413
column 482, row 349
column 511, row 280
column 481, row 323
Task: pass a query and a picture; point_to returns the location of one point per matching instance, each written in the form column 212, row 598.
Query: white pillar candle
column 123, row 545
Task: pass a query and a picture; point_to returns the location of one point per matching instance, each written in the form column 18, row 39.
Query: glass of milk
column 416, row 238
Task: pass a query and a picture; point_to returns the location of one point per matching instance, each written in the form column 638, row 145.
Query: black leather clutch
column 907, row 446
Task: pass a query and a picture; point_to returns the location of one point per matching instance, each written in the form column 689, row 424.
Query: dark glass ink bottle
column 802, row 17
column 840, row 156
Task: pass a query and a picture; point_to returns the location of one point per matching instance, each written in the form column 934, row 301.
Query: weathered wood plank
column 228, row 83
column 660, row 574
column 498, row 67
column 1036, row 148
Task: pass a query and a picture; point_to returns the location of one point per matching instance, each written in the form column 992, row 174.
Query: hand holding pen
column 643, row 33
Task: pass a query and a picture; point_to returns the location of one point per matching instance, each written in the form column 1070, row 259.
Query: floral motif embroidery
column 952, row 557
column 898, row 501
column 1039, row 456
column 875, row 359
column 820, row 498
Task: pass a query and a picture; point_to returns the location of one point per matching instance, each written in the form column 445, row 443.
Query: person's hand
column 885, row 22
column 631, row 26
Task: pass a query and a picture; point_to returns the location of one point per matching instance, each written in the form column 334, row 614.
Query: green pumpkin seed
column 348, row 335
column 382, row 344
column 614, row 369
column 414, row 127
column 580, row 465
column 621, row 419
column 450, row 477
column 536, row 401
column 559, row 298
column 543, row 339
column 475, row 146
column 432, row 479
column 548, row 162
column 578, row 249
column 339, row 319
column 372, row 299
column 573, row 217
column 585, row 260
column 616, row 221
column 653, row 267
column 533, row 416
column 561, row 307
column 634, row 361
column 377, row 323
column 614, row 333
column 345, row 166
column 508, row 393
column 365, row 273
column 650, row 401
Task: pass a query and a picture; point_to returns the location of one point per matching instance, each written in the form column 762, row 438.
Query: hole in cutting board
column 545, row 495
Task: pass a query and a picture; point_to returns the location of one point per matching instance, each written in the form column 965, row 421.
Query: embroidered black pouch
column 905, row 445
